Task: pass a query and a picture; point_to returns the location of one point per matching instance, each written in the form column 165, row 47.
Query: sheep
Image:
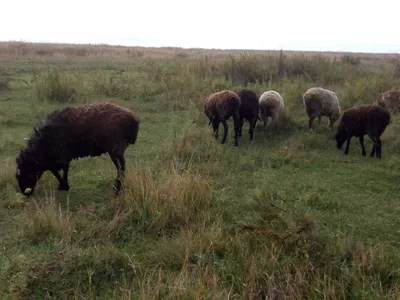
column 271, row 105
column 75, row 132
column 248, row 110
column 219, row 107
column 360, row 120
column 321, row 102
column 389, row 100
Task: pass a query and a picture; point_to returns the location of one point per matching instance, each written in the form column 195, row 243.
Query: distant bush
column 261, row 69
column 6, row 80
column 56, row 86
column 351, row 60
column 126, row 85
column 4, row 83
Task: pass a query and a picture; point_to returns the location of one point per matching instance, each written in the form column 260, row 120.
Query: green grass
column 287, row 216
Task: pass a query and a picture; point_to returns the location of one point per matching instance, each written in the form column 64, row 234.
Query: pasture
column 287, row 216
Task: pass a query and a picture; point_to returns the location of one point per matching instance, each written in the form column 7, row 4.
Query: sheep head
column 27, row 174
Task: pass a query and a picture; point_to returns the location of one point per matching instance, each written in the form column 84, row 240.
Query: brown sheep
column 219, row 107
column 72, row 133
column 321, row 102
column 390, row 100
column 360, row 120
column 248, row 110
column 271, row 105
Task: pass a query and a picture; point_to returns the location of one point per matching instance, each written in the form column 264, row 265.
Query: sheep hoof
column 364, row 154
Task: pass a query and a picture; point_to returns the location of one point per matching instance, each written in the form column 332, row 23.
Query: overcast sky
column 340, row 25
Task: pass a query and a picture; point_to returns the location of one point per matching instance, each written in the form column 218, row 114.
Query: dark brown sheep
column 75, row 132
column 360, row 120
column 219, row 107
column 248, row 110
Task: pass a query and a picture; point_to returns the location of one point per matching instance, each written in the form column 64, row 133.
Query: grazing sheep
column 390, row 100
column 219, row 107
column 271, row 105
column 321, row 102
column 72, row 133
column 248, row 110
column 360, row 120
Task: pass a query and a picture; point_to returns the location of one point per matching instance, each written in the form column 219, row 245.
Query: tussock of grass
column 46, row 221
column 56, row 86
column 176, row 201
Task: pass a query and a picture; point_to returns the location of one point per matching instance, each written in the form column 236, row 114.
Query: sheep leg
column 310, row 123
column 331, row 122
column 373, row 151
column 252, row 127
column 225, row 131
column 363, row 152
column 319, row 120
column 119, row 162
column 378, row 148
column 241, row 122
column 346, row 151
column 65, row 177
column 59, row 178
column 373, row 147
column 265, row 119
column 215, row 124
column 236, row 125
column 63, row 181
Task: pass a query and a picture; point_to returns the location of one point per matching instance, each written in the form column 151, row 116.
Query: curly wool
column 75, row 132
column 321, row 102
column 219, row 107
column 248, row 110
column 271, row 105
column 361, row 120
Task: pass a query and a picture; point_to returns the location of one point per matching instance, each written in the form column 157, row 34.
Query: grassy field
column 287, row 216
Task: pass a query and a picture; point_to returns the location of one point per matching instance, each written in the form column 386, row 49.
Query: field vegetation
column 287, row 216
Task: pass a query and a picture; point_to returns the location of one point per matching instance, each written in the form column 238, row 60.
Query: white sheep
column 321, row 102
column 271, row 105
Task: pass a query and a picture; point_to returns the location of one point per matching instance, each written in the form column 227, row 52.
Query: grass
column 287, row 216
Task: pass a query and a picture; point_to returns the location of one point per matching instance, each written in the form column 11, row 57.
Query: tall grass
column 56, row 86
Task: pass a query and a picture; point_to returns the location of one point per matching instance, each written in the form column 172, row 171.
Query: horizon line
column 194, row 48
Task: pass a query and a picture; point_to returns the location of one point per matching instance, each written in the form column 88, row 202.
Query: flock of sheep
column 97, row 128
column 357, row 121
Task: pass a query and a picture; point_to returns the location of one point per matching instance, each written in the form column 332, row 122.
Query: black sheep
column 75, row 132
column 360, row 120
column 249, row 108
